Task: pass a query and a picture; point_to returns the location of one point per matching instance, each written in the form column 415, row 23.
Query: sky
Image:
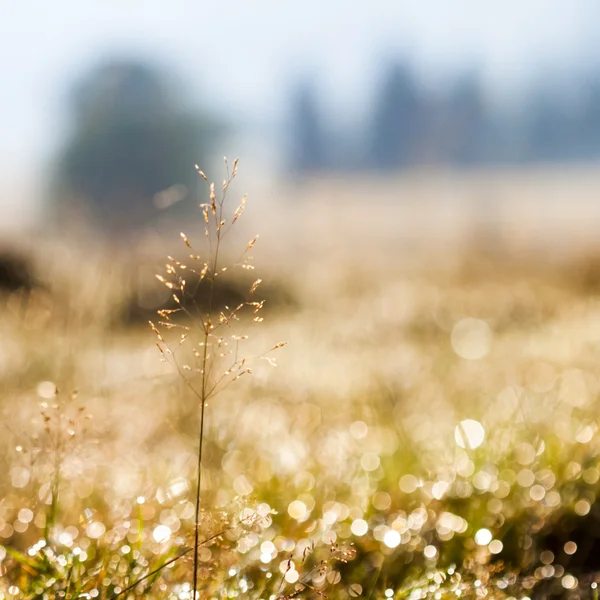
column 242, row 56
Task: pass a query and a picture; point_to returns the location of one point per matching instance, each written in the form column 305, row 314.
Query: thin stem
column 203, row 398
column 200, row 446
column 175, row 559
column 55, row 482
column 154, row 572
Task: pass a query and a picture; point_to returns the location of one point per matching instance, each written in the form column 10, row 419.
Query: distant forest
column 134, row 136
column 410, row 125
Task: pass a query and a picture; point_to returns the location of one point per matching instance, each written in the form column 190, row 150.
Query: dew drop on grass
column 537, row 492
column 391, row 539
column 471, row 339
column 292, row 576
column 359, row 527
column 95, row 530
column 370, row 461
column 358, row 429
column 408, row 483
column 297, row 509
column 46, row 390
column 161, row 533
column 469, row 434
column 582, row 507
column 334, row 577
column 483, row 537
column 570, row 548
column 382, row 500
column 25, row 515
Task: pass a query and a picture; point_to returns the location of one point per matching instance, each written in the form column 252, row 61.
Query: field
column 431, row 429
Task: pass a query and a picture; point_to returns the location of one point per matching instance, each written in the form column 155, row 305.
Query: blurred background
column 106, row 107
column 425, row 178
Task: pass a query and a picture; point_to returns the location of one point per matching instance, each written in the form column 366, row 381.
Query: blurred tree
column 547, row 138
column 465, row 120
column 133, row 146
column 587, row 122
column 398, row 125
column 308, row 140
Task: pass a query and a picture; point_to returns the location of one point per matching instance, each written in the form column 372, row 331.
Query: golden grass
column 394, row 299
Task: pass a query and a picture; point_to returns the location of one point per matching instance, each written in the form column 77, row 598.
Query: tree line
column 135, row 136
column 410, row 125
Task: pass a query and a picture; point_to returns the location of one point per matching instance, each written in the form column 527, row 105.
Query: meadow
column 430, row 429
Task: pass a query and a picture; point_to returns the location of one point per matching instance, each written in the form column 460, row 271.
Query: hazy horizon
column 241, row 58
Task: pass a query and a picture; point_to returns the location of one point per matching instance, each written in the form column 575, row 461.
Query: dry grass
column 357, row 429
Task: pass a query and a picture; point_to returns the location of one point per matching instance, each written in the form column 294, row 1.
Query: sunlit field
column 430, row 430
